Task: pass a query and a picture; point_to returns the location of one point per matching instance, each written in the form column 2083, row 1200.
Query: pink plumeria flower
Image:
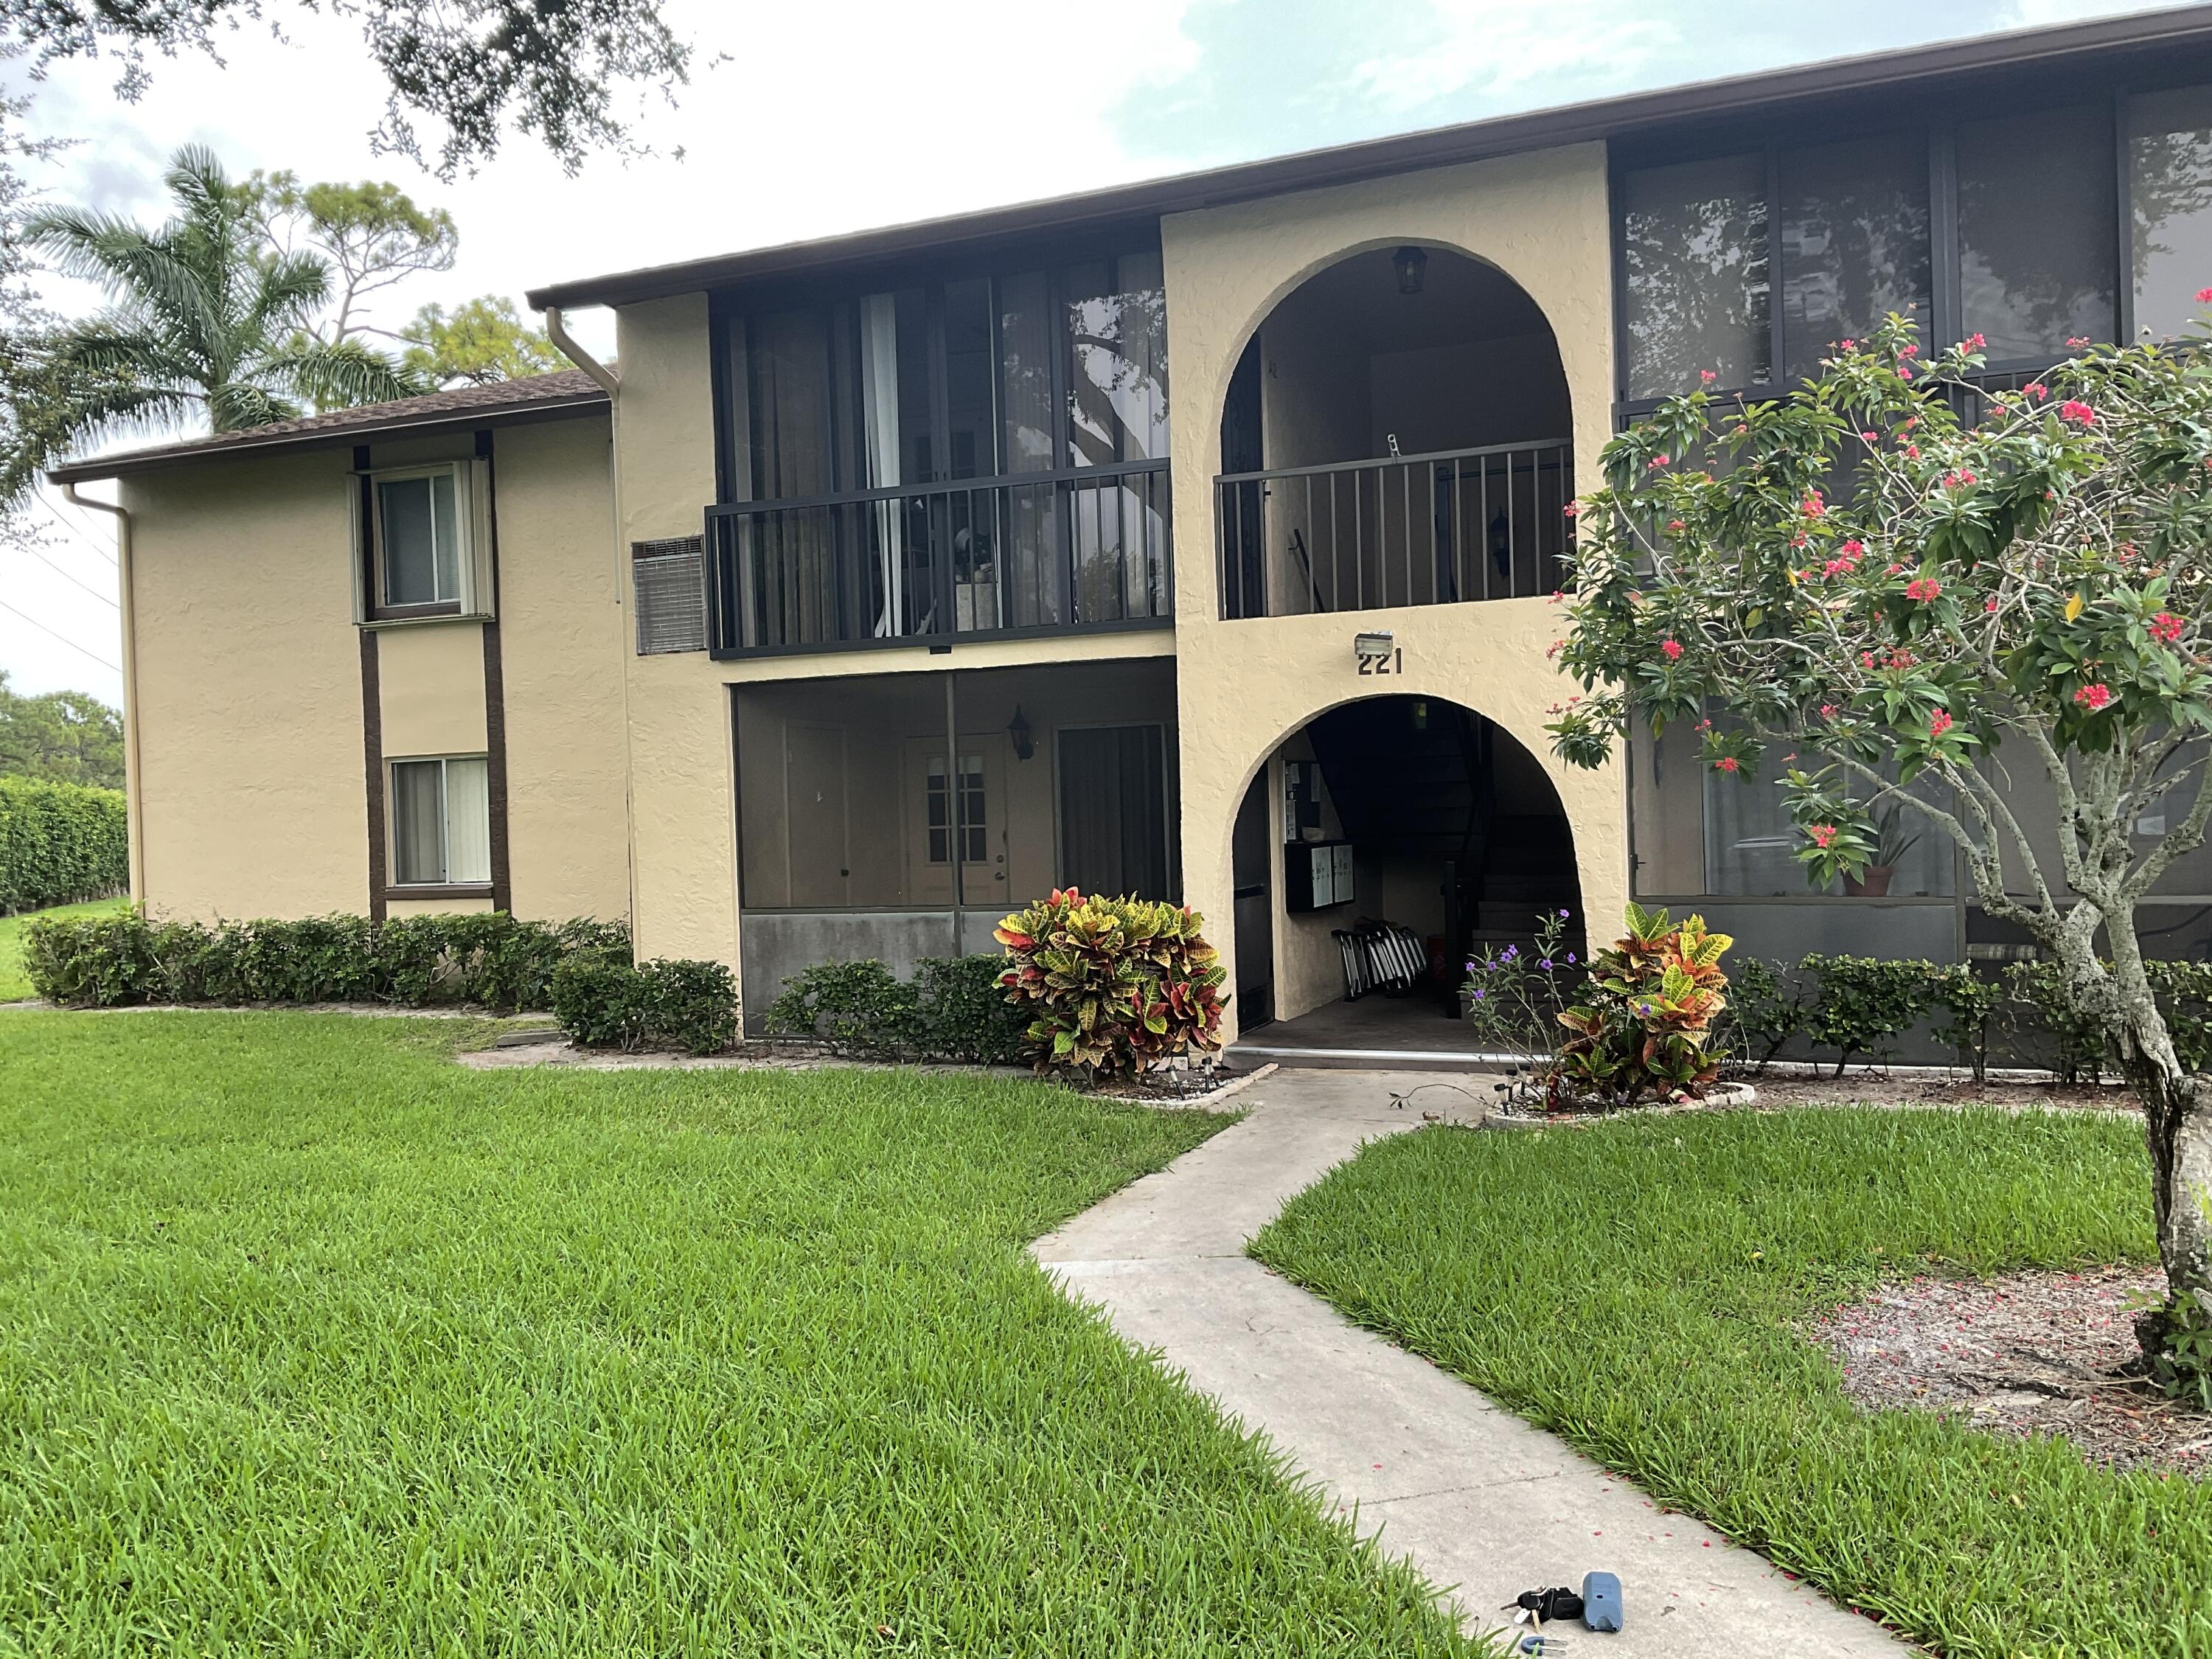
column 2094, row 696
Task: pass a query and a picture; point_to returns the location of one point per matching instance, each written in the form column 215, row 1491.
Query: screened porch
column 900, row 816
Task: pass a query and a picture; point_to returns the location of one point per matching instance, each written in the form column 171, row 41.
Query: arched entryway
column 1398, row 431
column 1376, row 848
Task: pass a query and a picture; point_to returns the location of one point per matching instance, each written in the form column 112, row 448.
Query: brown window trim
column 442, row 890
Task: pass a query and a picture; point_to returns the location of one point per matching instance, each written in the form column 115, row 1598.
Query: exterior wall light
column 1373, row 648
column 1412, row 268
column 1018, row 729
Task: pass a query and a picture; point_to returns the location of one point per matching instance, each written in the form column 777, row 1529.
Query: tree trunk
column 2177, row 1110
column 2177, row 1128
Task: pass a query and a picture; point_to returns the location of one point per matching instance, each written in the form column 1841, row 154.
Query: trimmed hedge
column 604, row 1002
column 953, row 1009
column 491, row 960
column 1852, row 1008
column 60, row 843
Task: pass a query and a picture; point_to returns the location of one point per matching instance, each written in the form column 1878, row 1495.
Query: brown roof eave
column 1412, row 152
column 127, row 463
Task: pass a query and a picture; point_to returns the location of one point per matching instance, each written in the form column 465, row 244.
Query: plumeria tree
column 1890, row 590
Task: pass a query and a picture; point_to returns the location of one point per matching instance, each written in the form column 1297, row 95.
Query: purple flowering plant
column 1513, row 994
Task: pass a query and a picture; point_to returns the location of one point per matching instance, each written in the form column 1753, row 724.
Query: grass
column 15, row 984
column 319, row 1343
column 1636, row 1287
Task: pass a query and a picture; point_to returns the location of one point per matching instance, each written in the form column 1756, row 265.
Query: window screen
column 420, row 539
column 2035, row 254
column 2170, row 199
column 1699, row 297
column 1854, row 241
column 1113, row 810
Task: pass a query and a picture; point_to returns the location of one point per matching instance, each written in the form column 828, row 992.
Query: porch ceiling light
column 1018, row 729
column 1412, row 268
column 1373, row 648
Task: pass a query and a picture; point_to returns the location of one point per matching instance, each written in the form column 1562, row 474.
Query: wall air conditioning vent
column 669, row 579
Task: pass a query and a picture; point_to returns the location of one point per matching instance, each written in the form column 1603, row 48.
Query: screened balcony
column 1024, row 555
column 1397, row 433
column 978, row 455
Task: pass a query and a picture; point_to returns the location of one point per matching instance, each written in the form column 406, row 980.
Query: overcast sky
column 840, row 114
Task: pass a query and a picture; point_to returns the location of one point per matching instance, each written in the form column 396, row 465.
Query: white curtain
column 468, row 821
column 879, row 396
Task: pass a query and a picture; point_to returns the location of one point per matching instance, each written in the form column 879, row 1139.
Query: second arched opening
column 1396, row 432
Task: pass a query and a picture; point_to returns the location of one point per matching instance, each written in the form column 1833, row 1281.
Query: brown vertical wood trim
column 372, row 730
column 372, row 719
column 494, row 679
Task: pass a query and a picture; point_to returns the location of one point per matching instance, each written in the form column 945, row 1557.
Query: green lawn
column 316, row 1343
column 1634, row 1286
column 14, row 985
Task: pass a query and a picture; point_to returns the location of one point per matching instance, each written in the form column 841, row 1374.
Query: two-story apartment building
column 1193, row 538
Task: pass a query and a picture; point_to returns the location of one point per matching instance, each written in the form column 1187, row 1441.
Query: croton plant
column 1646, row 1009
column 1113, row 986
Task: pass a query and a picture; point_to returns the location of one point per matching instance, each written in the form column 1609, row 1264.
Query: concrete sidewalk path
column 1479, row 1500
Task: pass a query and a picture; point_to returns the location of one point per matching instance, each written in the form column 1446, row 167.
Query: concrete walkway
column 1478, row 1500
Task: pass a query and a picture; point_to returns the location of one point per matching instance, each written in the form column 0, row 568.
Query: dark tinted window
column 1854, row 241
column 1698, row 292
column 2170, row 199
column 2036, row 223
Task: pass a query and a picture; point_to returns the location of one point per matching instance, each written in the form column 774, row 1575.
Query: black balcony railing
column 1434, row 529
column 1025, row 553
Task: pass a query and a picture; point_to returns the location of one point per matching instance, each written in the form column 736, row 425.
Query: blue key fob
column 1601, row 1601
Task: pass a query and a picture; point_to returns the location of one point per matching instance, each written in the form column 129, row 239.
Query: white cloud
column 1495, row 48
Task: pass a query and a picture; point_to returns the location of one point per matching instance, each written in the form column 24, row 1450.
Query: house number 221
column 1393, row 663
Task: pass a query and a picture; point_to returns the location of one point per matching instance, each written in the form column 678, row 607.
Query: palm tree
column 204, row 318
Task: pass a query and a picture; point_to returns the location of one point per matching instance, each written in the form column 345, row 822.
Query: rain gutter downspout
column 609, row 382
column 133, row 777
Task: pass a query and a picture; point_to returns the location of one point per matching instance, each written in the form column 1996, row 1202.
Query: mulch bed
column 2021, row 1354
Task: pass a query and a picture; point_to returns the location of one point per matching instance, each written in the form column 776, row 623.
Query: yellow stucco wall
column 683, row 832
column 251, row 797
column 561, row 653
column 1245, row 686
column 430, row 679
column 250, row 790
